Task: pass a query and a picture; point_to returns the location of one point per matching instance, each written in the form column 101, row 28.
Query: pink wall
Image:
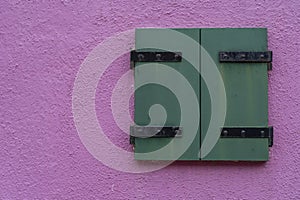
column 42, row 47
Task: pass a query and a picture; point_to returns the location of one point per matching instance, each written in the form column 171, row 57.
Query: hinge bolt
column 262, row 133
column 141, row 57
column 225, row 132
column 243, row 133
column 158, row 56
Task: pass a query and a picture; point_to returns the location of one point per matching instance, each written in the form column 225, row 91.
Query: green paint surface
column 151, row 94
column 246, row 86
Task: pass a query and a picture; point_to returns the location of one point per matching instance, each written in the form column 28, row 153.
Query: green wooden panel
column 151, row 94
column 246, row 86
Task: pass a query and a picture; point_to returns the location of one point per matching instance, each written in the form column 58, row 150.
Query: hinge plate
column 246, row 57
column 154, row 132
column 236, row 56
column 248, row 132
column 154, row 57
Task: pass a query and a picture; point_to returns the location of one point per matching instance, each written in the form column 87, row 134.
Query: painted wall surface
column 43, row 44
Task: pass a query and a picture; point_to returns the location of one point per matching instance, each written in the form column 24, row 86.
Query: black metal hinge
column 154, row 57
column 248, row 132
column 154, row 132
column 246, row 57
column 131, row 139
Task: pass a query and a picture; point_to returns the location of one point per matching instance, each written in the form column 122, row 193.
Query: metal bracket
column 154, row 57
column 247, row 57
column 248, row 132
column 154, row 132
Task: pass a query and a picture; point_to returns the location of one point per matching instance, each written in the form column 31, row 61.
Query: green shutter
column 246, row 87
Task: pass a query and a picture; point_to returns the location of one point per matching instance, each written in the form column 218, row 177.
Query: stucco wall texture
column 42, row 46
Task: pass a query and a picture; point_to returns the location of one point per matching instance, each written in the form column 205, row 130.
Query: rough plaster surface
column 42, row 46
